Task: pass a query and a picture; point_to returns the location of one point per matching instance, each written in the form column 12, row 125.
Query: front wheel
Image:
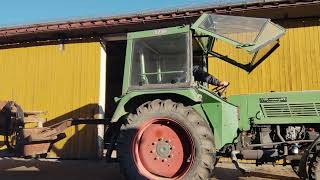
column 166, row 140
column 314, row 166
column 295, row 166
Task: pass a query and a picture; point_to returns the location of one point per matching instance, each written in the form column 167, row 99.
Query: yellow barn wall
column 294, row 66
column 63, row 82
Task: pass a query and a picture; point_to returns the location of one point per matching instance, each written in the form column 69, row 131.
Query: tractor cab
column 163, row 58
column 158, row 59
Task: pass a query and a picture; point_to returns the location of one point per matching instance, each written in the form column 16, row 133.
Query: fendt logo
column 160, row 31
column 273, row 100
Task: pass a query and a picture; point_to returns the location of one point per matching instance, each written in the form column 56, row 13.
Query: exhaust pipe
column 259, row 154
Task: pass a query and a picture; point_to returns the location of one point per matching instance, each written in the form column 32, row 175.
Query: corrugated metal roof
column 105, row 25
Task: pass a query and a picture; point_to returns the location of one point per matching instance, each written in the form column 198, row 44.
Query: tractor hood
column 254, row 38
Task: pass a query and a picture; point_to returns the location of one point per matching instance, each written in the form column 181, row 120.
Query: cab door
column 254, row 38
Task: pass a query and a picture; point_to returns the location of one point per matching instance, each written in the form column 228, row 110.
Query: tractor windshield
column 160, row 60
column 253, row 38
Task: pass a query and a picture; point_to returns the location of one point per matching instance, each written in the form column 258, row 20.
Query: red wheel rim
column 162, row 148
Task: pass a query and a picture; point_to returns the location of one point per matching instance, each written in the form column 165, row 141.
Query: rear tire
column 166, row 140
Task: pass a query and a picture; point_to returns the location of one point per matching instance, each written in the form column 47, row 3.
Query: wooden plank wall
column 64, row 81
column 294, row 66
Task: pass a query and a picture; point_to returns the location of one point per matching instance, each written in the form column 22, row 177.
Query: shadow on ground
column 33, row 169
column 51, row 169
column 226, row 173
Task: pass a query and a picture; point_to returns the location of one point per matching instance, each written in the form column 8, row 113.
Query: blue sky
column 21, row 12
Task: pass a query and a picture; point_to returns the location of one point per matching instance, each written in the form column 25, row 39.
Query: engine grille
column 291, row 109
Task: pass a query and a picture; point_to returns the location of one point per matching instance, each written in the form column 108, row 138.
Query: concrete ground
column 32, row 169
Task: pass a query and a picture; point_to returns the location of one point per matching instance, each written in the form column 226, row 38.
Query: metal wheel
column 314, row 166
column 309, row 167
column 163, row 148
column 166, row 140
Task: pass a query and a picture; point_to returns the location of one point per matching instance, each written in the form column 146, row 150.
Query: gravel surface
column 32, row 169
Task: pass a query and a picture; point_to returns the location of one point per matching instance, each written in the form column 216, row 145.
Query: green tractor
column 173, row 127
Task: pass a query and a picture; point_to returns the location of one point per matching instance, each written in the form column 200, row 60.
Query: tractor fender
column 129, row 102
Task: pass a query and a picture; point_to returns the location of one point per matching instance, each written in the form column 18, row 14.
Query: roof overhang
column 99, row 27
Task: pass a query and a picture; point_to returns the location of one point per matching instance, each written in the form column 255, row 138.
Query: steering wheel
column 220, row 89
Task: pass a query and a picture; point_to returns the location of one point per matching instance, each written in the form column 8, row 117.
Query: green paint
column 282, row 108
column 126, row 79
column 222, row 115
column 189, row 93
column 159, row 32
